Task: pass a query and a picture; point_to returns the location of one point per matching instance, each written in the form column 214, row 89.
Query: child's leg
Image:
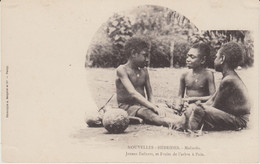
column 213, row 119
column 150, row 117
column 216, row 119
column 194, row 115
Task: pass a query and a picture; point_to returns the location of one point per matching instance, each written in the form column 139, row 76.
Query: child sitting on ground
column 134, row 92
column 229, row 108
column 198, row 83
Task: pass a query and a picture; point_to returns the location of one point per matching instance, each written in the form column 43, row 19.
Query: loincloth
column 131, row 109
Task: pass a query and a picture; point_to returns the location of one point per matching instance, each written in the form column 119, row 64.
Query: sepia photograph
column 132, row 81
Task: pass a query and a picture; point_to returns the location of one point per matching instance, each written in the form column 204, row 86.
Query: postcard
column 142, row 81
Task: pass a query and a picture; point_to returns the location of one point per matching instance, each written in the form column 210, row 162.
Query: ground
column 99, row 146
column 165, row 84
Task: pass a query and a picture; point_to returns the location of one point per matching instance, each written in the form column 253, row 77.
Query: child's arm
column 211, row 84
column 122, row 75
column 211, row 99
column 182, row 86
column 194, row 99
column 179, row 101
column 148, row 87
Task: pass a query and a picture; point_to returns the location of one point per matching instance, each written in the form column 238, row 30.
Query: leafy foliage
column 170, row 36
column 108, row 51
column 216, row 38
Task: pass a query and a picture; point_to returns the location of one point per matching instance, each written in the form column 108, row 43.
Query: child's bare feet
column 177, row 123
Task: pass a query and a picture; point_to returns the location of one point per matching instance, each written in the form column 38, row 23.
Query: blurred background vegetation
column 170, row 35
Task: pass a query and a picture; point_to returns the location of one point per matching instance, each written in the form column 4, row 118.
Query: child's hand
column 160, row 112
column 178, row 104
column 187, row 99
column 168, row 104
column 198, row 102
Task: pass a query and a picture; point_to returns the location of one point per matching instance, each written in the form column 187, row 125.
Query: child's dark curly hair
column 136, row 44
column 233, row 53
column 204, row 51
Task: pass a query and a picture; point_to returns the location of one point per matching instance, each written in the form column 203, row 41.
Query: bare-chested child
column 134, row 92
column 229, row 107
column 198, row 83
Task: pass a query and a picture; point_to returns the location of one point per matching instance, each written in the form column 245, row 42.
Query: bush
column 160, row 51
column 216, row 38
column 180, row 53
column 159, row 25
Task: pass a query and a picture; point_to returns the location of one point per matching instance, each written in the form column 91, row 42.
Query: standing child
column 198, row 83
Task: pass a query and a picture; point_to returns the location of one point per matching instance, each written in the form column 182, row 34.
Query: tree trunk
column 171, row 53
column 149, row 54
